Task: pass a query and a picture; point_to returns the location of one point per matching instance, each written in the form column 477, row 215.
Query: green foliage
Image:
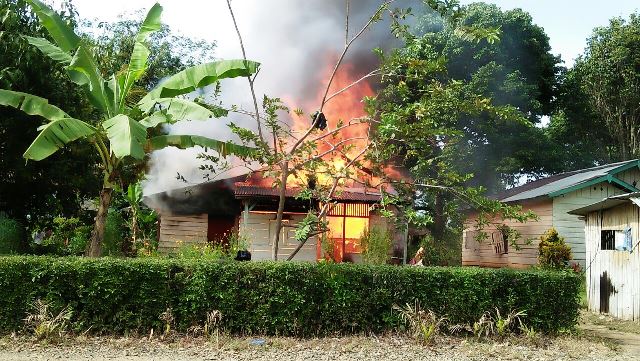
column 609, row 75
column 120, row 129
column 446, row 101
column 115, row 233
column 69, row 236
column 552, row 251
column 203, row 251
column 35, row 192
column 12, row 235
column 376, row 246
column 443, row 252
column 423, row 325
column 494, row 324
column 301, row 299
column 515, row 69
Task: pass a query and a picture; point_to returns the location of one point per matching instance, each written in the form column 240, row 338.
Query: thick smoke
column 294, row 41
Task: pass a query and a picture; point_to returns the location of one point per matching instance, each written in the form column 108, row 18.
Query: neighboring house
column 612, row 231
column 550, row 198
column 247, row 205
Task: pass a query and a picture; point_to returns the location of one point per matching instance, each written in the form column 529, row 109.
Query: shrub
column 444, row 252
column 376, row 246
column 552, row 251
column 69, row 236
column 300, row 299
column 12, row 235
column 115, row 233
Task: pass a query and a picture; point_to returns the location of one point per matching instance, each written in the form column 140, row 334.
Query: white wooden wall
column 260, row 230
column 178, row 231
column 622, row 267
column 484, row 254
column 571, row 227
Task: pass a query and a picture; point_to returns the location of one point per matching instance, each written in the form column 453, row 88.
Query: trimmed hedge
column 302, row 299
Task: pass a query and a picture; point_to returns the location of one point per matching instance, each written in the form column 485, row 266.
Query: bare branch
column 337, row 66
column 367, row 76
column 249, row 78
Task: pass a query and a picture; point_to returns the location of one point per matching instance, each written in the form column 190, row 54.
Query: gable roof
column 559, row 184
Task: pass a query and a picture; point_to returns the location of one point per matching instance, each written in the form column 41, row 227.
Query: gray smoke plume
column 294, row 41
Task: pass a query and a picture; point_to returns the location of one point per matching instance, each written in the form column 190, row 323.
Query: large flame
column 341, row 109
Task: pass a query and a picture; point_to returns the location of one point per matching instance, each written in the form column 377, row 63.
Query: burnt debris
column 319, row 121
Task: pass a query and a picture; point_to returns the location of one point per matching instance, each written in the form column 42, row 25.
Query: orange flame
column 341, row 109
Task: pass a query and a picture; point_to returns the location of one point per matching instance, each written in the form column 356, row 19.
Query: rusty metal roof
column 243, row 190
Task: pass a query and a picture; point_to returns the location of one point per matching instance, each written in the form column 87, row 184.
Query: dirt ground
column 597, row 338
column 345, row 348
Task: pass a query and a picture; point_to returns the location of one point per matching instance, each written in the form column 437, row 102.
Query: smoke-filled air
column 297, row 50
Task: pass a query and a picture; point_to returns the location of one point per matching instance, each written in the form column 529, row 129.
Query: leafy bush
column 301, row 299
column 552, row 251
column 444, row 252
column 115, row 233
column 376, row 246
column 12, row 235
column 69, row 236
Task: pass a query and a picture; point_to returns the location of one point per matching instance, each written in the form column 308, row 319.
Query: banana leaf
column 198, row 76
column 50, row 50
column 188, row 141
column 140, row 55
column 59, row 30
column 126, row 136
column 84, row 71
column 31, row 104
column 55, row 134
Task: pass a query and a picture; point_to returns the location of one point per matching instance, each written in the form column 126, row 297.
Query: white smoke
column 293, row 41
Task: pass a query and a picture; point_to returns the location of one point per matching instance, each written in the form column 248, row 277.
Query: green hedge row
column 303, row 299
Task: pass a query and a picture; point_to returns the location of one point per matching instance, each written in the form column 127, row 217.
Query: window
column 471, row 241
column 616, row 240
column 347, row 222
column 500, row 242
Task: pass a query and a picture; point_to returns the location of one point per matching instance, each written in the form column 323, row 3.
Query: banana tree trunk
column 97, row 236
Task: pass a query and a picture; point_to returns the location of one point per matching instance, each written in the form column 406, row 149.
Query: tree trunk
column 439, row 219
column 97, row 236
column 283, row 196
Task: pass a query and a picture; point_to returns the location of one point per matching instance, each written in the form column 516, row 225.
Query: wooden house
column 551, row 199
column 612, row 235
column 247, row 205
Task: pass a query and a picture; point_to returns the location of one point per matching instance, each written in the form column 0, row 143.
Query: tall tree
column 422, row 114
column 119, row 133
column 609, row 74
column 518, row 70
column 578, row 131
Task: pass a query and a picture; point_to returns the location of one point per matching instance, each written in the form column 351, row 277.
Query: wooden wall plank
column 483, row 254
column 179, row 231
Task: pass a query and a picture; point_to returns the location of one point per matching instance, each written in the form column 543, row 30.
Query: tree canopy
column 517, row 69
column 608, row 74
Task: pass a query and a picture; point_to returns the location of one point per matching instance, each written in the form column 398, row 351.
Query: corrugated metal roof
column 561, row 181
column 606, row 203
column 243, row 190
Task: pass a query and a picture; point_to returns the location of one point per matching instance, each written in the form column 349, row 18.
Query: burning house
column 298, row 73
column 247, row 205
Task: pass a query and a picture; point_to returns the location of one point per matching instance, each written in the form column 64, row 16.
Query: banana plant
column 122, row 132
